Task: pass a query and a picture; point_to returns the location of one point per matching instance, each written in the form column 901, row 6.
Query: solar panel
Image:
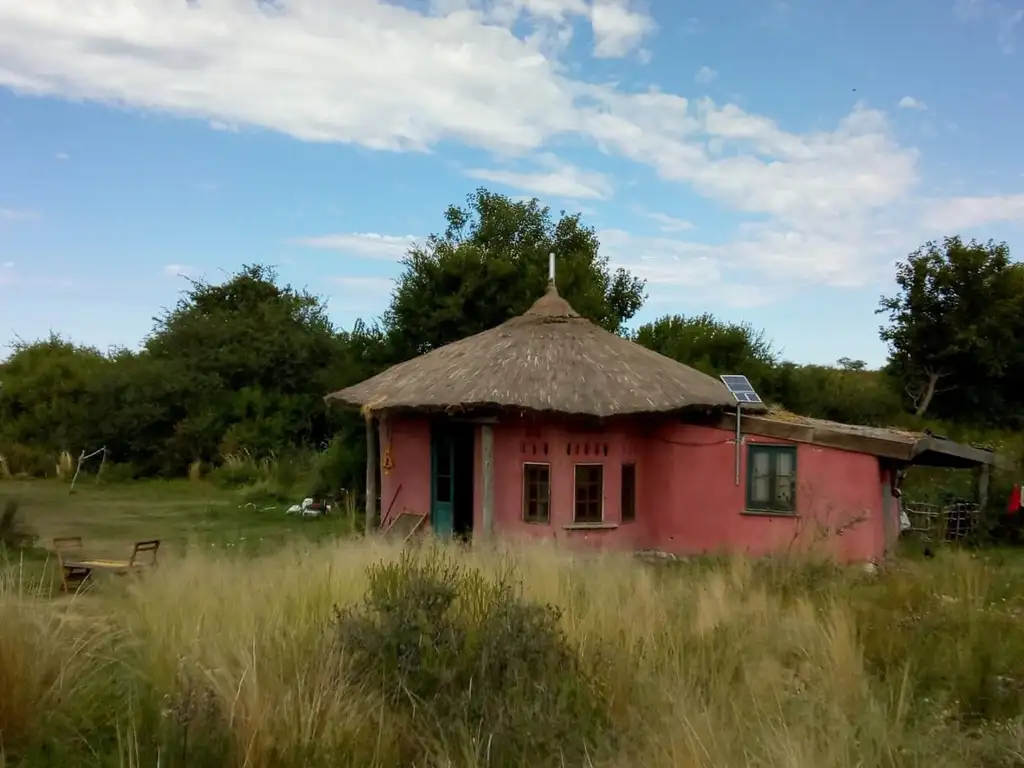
column 735, row 383
column 740, row 388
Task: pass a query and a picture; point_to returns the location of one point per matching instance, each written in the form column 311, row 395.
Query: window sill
column 768, row 513
column 590, row 526
column 536, row 522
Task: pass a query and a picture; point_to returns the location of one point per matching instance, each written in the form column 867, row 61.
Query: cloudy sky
column 766, row 161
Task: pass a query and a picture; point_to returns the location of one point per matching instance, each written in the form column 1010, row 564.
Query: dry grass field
column 316, row 649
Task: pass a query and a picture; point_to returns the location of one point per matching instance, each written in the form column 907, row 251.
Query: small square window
column 589, row 493
column 771, row 478
column 536, row 493
column 628, row 506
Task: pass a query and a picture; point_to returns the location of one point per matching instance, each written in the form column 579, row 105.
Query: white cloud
column 676, row 269
column 705, row 75
column 560, row 180
column 7, row 265
column 617, row 27
column 909, row 102
column 366, row 244
column 488, row 75
column 670, row 223
column 61, row 156
column 947, row 216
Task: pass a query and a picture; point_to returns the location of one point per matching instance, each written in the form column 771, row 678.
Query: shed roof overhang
column 904, row 447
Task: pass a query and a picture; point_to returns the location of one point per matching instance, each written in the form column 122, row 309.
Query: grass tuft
column 367, row 654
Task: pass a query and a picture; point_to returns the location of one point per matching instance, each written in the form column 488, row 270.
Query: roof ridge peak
column 551, row 304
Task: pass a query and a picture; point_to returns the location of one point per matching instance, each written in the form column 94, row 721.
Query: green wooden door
column 442, row 485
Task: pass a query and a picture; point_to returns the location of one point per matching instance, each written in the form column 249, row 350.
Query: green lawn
column 181, row 514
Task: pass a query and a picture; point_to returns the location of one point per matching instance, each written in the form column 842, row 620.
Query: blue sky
column 764, row 161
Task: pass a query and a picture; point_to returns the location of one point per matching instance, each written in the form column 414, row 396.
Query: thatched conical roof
column 548, row 359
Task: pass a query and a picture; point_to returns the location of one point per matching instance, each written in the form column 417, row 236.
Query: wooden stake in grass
column 81, row 458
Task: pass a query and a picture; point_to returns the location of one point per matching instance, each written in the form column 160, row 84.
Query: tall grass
column 65, row 466
column 314, row 657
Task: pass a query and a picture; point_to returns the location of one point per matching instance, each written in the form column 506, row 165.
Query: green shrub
column 341, row 465
column 29, row 460
column 239, row 470
column 477, row 670
column 120, row 472
column 15, row 533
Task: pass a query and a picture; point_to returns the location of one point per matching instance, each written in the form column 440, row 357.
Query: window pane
column 535, row 492
column 589, row 492
column 760, row 486
column 784, row 478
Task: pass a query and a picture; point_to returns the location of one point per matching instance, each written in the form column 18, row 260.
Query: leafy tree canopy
column 43, row 392
column 491, row 263
column 954, row 326
column 712, row 346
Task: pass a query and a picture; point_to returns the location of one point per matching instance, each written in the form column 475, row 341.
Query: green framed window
column 771, row 478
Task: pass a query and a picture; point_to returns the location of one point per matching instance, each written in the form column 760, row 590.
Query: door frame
column 461, row 438
column 437, row 430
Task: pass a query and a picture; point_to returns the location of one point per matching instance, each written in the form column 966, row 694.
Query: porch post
column 487, row 466
column 371, row 474
column 982, row 476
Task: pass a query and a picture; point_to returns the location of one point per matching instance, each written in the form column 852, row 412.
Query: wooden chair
column 76, row 569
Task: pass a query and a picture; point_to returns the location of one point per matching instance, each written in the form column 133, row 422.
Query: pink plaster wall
column 701, row 509
column 687, row 499
column 563, row 447
column 406, row 487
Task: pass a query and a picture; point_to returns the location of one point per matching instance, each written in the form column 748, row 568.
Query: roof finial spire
column 551, row 269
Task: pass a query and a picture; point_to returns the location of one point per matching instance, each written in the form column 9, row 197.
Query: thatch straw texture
column 547, row 360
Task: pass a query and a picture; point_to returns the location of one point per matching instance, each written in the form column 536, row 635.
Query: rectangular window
column 771, row 478
column 536, row 493
column 589, row 493
column 628, row 506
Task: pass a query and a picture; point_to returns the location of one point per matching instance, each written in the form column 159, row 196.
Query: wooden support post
column 982, row 476
column 487, row 466
column 371, row 474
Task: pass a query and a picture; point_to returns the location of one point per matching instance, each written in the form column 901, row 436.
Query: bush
column 470, row 660
column 14, row 531
column 341, row 465
column 29, row 460
column 117, row 472
column 239, row 470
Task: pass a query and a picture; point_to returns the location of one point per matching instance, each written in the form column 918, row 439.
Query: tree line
column 242, row 366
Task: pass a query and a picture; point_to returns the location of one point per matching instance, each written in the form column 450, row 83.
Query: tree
column 249, row 361
column 44, row 397
column 954, row 324
column 839, row 394
column 491, row 263
column 849, row 364
column 712, row 346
